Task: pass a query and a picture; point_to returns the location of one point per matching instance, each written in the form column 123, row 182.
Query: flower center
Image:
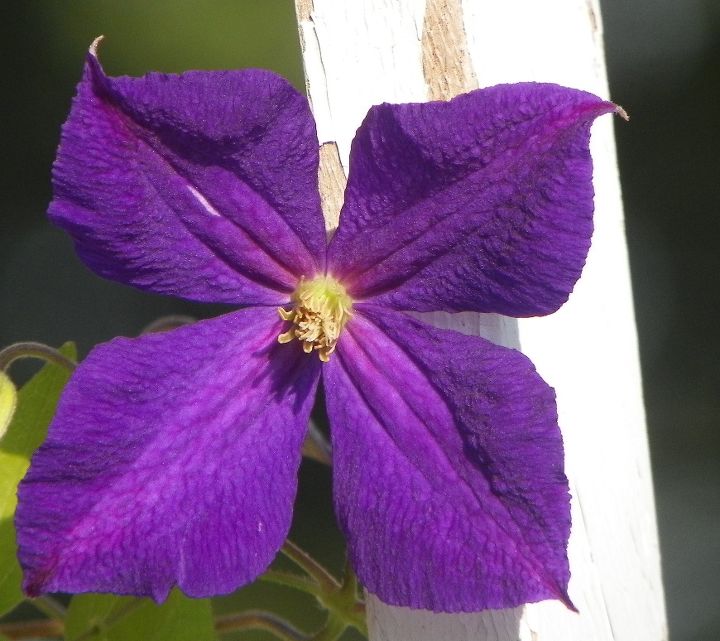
column 322, row 308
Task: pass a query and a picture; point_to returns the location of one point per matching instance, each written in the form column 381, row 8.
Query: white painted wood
column 362, row 52
column 359, row 53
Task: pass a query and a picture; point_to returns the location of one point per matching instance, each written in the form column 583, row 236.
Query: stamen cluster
column 322, row 308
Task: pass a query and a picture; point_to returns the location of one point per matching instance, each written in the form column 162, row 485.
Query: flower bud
column 8, row 402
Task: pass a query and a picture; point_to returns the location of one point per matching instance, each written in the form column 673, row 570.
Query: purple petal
column 448, row 467
column 482, row 203
column 201, row 185
column 172, row 459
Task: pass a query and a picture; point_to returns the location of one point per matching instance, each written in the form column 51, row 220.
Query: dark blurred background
column 664, row 67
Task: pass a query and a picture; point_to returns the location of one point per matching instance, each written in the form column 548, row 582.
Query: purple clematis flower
column 173, row 458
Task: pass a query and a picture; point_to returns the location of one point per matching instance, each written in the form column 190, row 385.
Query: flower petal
column 201, row 185
column 448, row 467
column 172, row 459
column 482, row 203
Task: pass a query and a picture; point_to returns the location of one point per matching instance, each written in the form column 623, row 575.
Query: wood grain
column 446, row 62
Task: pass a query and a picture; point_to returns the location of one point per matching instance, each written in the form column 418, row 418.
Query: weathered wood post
column 362, row 52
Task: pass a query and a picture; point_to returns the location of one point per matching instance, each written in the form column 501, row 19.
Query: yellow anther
column 322, row 309
column 285, row 315
column 287, row 336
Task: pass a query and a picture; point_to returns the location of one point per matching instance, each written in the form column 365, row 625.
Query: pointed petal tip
column 608, row 107
column 564, row 598
column 92, row 50
column 93, row 67
column 622, row 113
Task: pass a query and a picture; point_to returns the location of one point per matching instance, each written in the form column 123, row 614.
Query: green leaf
column 103, row 617
column 35, row 407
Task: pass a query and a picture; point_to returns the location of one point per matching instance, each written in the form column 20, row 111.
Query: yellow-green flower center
column 322, row 308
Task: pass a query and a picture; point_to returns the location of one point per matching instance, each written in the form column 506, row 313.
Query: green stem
column 291, row 581
column 31, row 349
column 349, row 589
column 259, row 620
column 304, row 561
column 49, row 607
column 341, row 600
column 352, row 614
column 165, row 323
column 33, row 629
column 333, row 630
column 348, row 606
column 316, row 446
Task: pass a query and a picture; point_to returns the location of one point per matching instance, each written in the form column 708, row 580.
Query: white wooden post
column 362, row 52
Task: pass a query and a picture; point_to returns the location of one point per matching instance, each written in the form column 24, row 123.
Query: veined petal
column 201, row 185
column 448, row 467
column 172, row 459
column 482, row 203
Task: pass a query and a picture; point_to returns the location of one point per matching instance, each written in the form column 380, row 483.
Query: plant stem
column 303, row 560
column 290, row 580
column 333, row 630
column 316, row 446
column 259, row 620
column 165, row 323
column 349, row 588
column 341, row 600
column 33, row 629
column 31, row 349
column 49, row 607
column 353, row 610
